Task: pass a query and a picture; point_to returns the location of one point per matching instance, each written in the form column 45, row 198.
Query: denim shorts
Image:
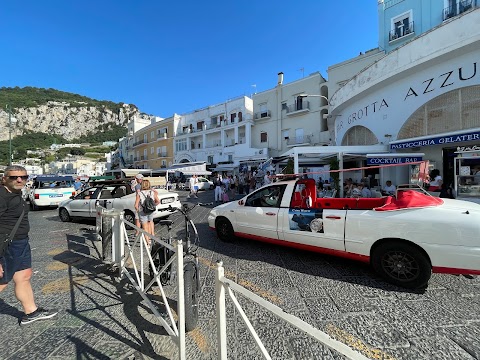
column 145, row 217
column 18, row 257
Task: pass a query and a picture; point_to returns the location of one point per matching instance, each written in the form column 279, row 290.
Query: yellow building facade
column 153, row 145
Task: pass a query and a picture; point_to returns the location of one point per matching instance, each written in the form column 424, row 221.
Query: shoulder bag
column 6, row 239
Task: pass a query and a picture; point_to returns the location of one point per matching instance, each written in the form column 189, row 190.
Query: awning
column 194, row 168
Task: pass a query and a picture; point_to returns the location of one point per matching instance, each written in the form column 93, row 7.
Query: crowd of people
column 228, row 186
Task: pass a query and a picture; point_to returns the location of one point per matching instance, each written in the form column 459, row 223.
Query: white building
column 218, row 134
column 423, row 95
column 124, row 155
column 291, row 115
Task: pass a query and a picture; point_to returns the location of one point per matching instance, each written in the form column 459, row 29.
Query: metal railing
column 262, row 115
column 298, row 106
column 143, row 141
column 457, row 9
column 296, row 140
column 225, row 286
column 401, row 32
column 137, row 251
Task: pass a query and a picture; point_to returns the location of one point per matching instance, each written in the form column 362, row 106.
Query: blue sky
column 177, row 56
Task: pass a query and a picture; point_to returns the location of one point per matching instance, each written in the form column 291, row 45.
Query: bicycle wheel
column 191, row 296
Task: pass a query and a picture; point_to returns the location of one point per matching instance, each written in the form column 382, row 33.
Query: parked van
column 50, row 190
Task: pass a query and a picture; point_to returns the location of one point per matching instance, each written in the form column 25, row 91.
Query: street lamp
column 321, row 96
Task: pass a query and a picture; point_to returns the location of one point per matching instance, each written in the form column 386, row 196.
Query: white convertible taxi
column 112, row 195
column 404, row 237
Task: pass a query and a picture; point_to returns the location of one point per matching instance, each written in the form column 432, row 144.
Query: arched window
column 359, row 135
column 456, row 110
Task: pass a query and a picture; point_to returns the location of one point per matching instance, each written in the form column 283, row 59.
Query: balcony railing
column 262, row 115
column 455, row 10
column 143, row 141
column 213, row 144
column 298, row 107
column 162, row 154
column 162, row 136
column 297, row 140
column 401, row 32
column 211, row 126
column 143, row 157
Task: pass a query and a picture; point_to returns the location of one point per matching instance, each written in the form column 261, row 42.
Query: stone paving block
column 306, row 348
column 467, row 337
column 461, row 307
column 375, row 331
column 80, row 342
column 309, row 285
column 432, row 314
column 396, row 313
column 44, row 343
column 276, row 346
column 440, row 348
column 323, row 308
column 347, row 298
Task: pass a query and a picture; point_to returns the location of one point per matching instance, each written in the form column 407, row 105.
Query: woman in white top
column 146, row 218
column 435, row 180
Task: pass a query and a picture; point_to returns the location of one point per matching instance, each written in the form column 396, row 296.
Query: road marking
column 357, row 344
column 57, row 265
column 64, row 284
column 55, row 251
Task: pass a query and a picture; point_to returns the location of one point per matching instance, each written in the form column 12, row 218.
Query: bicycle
column 191, row 272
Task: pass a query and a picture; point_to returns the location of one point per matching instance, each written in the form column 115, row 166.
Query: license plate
column 55, row 195
column 167, row 201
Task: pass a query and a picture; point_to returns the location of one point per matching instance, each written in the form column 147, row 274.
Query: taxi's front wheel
column 224, row 230
column 64, row 215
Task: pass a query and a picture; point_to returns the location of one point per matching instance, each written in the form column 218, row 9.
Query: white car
column 113, row 195
column 49, row 190
column 404, row 237
column 202, row 183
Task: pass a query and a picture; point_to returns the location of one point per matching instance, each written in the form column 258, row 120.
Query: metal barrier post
column 117, row 238
column 98, row 221
column 181, row 303
column 221, row 313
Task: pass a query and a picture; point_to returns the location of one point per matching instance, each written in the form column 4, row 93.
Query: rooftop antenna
column 303, row 71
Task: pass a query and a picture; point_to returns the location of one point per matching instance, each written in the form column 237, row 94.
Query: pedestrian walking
column 193, row 187
column 16, row 260
column 137, row 187
column 145, row 215
column 218, row 188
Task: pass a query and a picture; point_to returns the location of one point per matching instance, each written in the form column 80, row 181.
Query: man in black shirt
column 16, row 263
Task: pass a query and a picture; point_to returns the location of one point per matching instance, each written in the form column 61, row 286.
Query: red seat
column 369, row 203
column 337, row 203
column 296, row 200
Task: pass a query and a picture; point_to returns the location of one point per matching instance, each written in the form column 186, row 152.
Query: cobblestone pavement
column 104, row 318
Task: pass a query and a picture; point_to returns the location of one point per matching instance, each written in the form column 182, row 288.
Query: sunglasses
column 13, row 178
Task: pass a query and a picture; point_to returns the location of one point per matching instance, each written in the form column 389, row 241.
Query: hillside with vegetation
column 33, row 97
column 42, row 141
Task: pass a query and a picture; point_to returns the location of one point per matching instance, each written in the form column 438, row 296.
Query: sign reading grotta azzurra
column 394, row 160
column 440, row 140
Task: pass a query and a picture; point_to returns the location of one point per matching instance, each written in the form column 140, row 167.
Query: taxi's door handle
column 270, row 214
column 333, row 217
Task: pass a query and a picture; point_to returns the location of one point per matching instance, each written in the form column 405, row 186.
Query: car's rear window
column 55, row 184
